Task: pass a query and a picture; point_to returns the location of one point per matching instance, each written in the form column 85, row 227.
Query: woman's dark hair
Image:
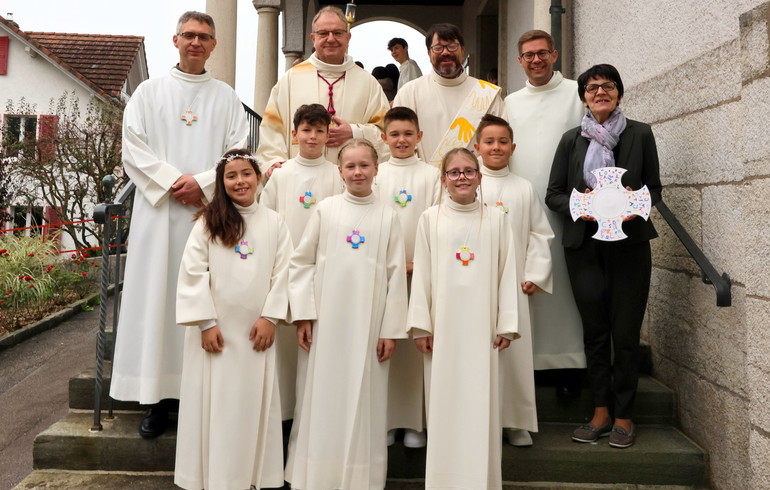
column 223, row 221
column 599, row 71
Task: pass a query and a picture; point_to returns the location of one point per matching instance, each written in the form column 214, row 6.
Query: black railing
column 721, row 283
column 115, row 218
column 254, row 121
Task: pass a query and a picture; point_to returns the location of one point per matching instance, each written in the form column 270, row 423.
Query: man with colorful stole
column 330, row 78
column 175, row 128
column 449, row 102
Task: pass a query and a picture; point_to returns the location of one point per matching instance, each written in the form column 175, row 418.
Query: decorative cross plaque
column 609, row 203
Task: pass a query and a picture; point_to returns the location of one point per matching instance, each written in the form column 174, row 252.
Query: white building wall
column 34, row 78
column 699, row 72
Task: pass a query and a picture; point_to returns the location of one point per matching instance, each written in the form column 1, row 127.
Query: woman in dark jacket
column 610, row 280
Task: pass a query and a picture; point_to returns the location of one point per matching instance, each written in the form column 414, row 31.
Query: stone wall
column 699, row 72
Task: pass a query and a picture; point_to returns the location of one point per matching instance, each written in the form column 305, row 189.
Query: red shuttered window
column 3, row 55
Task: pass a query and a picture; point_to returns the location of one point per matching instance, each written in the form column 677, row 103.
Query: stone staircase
column 67, row 455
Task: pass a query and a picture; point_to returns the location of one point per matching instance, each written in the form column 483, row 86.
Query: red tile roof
column 101, row 61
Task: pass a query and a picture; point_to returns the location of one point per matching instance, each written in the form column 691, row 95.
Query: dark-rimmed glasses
column 543, row 54
column 469, row 173
column 438, row 48
column 192, row 35
column 592, row 88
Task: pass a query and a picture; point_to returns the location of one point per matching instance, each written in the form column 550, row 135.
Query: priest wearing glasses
column 449, row 102
column 330, row 78
column 175, row 129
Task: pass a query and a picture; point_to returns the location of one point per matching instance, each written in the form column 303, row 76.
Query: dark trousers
column 611, row 282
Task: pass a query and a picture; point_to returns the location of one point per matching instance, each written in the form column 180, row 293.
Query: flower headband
column 229, row 157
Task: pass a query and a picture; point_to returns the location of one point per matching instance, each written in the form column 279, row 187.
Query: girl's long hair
column 223, row 221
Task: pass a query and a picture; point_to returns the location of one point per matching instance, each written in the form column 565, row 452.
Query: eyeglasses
column 592, row 88
column 438, row 48
column 543, row 54
column 192, row 35
column 339, row 34
column 469, row 174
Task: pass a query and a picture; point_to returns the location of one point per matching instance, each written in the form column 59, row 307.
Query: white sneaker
column 415, row 439
column 391, row 437
column 518, row 437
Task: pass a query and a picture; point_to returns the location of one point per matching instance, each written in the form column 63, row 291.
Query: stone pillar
column 267, row 51
column 221, row 64
column 291, row 57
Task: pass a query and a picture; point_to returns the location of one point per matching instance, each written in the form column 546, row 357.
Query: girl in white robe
column 462, row 313
column 347, row 291
column 231, row 291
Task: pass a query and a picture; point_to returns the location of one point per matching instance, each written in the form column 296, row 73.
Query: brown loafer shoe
column 621, row 439
column 589, row 433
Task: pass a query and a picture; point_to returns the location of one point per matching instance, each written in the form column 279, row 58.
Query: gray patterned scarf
column 603, row 139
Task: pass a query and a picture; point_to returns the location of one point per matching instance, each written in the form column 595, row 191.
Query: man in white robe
column 448, row 102
column 408, row 69
column 539, row 114
column 330, row 78
column 175, row 128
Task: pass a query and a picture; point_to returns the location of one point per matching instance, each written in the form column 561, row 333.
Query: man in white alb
column 408, row 69
column 175, row 128
column 329, row 77
column 448, row 102
column 539, row 114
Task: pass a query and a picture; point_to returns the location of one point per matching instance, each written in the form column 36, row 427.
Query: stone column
column 291, row 57
column 267, row 51
column 221, row 64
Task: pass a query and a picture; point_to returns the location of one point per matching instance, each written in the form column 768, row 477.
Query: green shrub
column 35, row 280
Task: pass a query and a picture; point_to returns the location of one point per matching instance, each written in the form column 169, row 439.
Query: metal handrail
column 722, row 284
column 103, row 214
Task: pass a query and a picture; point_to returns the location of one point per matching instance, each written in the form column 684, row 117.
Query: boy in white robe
column 232, row 288
column 409, row 186
column 294, row 190
column 532, row 237
column 347, row 293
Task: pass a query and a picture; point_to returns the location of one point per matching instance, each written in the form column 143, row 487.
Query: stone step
column 655, row 403
column 92, row 480
column 662, row 455
column 81, row 391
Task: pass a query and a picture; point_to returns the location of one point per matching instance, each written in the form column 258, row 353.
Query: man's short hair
column 399, row 113
column 446, row 32
column 395, row 41
column 535, row 34
column 329, row 9
column 312, row 114
column 200, row 17
column 490, row 120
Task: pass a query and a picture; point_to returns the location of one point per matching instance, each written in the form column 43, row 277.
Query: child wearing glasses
column 347, row 291
column 532, row 236
column 462, row 315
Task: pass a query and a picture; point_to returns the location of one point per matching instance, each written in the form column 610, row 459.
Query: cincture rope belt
column 330, row 108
